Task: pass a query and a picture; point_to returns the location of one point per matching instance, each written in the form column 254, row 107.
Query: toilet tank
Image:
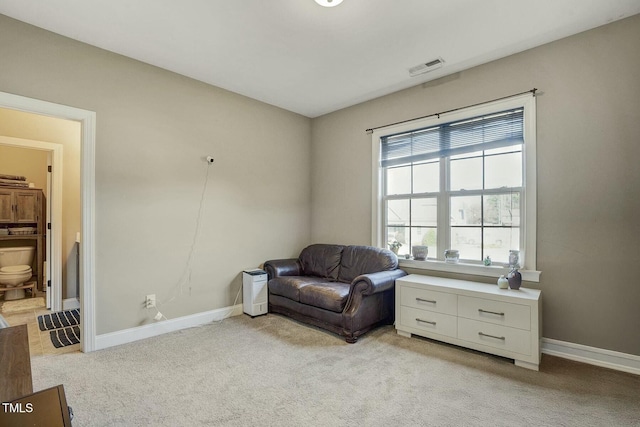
column 22, row 255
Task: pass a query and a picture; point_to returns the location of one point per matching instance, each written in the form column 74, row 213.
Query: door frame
column 87, row 200
column 54, row 201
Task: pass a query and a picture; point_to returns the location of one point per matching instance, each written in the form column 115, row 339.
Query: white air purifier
column 254, row 292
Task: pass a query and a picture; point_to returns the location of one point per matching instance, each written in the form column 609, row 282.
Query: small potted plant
column 394, row 246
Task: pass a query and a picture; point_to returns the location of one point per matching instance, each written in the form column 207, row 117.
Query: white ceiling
column 309, row 59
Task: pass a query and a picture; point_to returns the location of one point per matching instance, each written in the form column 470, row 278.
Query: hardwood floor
column 39, row 341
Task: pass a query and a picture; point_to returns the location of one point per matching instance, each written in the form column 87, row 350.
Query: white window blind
column 486, row 132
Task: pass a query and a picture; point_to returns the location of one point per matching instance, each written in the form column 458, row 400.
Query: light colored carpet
column 271, row 371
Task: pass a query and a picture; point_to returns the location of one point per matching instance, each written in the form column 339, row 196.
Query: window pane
column 398, row 224
column 398, row 212
column 503, row 150
column 426, row 236
column 465, row 210
column 466, row 155
column 467, row 240
column 503, row 170
column 399, row 234
column 399, row 180
column 502, row 209
column 498, row 242
column 466, row 174
column 404, row 251
column 426, row 178
column 424, row 212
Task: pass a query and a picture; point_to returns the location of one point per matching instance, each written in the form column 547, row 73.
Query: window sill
column 473, row 269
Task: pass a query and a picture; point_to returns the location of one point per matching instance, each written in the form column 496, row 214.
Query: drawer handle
column 426, row 300
column 491, row 336
column 426, row 321
column 490, row 312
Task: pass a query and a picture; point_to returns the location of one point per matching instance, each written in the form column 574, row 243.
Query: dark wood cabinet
column 6, row 206
column 15, row 363
column 20, row 208
column 28, row 206
column 46, row 408
column 20, row 405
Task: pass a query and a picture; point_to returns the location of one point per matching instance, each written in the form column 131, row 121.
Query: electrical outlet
column 150, row 302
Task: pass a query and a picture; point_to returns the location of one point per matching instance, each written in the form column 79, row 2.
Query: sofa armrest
column 283, row 267
column 372, row 283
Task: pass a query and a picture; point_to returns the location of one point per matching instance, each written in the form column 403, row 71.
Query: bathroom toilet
column 15, row 269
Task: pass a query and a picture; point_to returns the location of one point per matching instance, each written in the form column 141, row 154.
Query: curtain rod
column 532, row 91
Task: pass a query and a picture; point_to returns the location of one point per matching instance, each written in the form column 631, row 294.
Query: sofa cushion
column 289, row 286
column 330, row 296
column 321, row 260
column 357, row 260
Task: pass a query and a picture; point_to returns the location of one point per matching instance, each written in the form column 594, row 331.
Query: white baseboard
column 165, row 326
column 592, row 355
column 70, row 304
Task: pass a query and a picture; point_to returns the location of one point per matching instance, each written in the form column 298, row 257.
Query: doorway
column 87, row 201
column 52, row 187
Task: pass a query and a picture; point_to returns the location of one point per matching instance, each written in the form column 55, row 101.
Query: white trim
column 528, row 101
column 376, row 195
column 163, row 327
column 530, row 184
column 592, row 355
column 70, row 304
column 87, row 171
column 48, row 246
column 88, row 233
column 55, row 260
column 473, row 269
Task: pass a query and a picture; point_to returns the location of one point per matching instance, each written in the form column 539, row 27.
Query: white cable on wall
column 186, row 275
column 187, row 271
column 185, row 278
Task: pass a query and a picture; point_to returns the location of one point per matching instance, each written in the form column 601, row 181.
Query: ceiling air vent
column 426, row 67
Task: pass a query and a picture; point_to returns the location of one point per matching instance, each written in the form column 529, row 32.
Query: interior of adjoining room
column 29, row 172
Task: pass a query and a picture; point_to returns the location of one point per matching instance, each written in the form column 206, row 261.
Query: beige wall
column 18, row 124
column 32, row 164
column 154, row 129
column 588, row 126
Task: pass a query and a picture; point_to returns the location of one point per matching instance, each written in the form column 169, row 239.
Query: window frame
column 528, row 261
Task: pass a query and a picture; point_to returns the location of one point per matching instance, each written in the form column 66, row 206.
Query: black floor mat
column 65, row 336
column 59, row 319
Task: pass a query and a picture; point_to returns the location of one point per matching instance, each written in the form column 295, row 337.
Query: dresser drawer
column 428, row 321
column 495, row 336
column 498, row 312
column 439, row 302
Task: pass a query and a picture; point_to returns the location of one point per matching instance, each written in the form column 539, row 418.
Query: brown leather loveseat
column 347, row 290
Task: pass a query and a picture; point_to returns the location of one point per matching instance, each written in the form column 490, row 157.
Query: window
column 463, row 180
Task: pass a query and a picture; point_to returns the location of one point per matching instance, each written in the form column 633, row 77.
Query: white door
column 47, row 263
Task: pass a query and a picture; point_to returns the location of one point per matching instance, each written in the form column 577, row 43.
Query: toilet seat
column 15, row 269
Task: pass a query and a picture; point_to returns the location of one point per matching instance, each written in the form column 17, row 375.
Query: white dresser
column 476, row 315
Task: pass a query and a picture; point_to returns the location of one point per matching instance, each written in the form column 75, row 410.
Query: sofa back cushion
column 321, row 260
column 357, row 260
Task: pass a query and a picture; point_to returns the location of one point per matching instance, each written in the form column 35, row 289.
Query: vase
column 420, row 252
column 515, row 279
column 452, row 256
column 503, row 282
column 514, row 258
